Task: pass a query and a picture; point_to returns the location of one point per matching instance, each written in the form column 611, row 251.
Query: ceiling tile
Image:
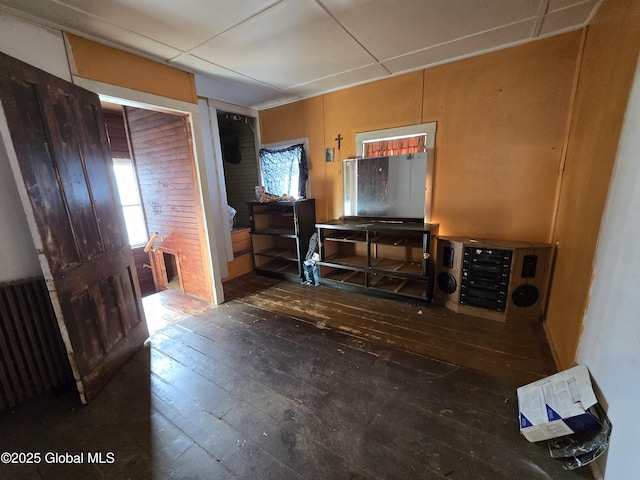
column 334, row 82
column 198, row 65
column 483, row 42
column 561, row 4
column 181, row 24
column 78, row 22
column 239, row 93
column 568, row 18
column 389, row 29
column 213, row 81
column 291, row 43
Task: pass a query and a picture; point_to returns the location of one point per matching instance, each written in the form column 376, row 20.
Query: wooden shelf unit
column 280, row 233
column 388, row 259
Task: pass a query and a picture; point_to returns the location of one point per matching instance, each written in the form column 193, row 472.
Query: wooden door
column 55, row 137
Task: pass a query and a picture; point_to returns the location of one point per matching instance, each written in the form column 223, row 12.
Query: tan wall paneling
column 501, row 124
column 106, row 64
column 609, row 61
column 299, row 120
column 389, row 103
column 170, row 195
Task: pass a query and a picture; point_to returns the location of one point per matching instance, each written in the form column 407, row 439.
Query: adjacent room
column 316, row 239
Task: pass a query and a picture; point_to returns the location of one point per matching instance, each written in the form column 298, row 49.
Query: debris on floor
column 579, row 449
column 563, row 409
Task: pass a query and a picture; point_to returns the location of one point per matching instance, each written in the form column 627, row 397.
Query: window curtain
column 285, row 170
column 395, row 146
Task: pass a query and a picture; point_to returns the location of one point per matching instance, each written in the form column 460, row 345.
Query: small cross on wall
column 339, row 139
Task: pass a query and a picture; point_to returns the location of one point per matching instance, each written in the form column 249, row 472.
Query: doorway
column 240, row 162
column 172, row 271
column 158, row 146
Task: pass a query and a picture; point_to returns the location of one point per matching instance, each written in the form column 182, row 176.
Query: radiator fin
column 33, row 358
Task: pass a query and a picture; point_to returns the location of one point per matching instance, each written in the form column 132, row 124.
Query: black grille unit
column 485, row 277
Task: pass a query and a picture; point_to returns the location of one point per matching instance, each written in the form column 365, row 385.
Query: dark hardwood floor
column 513, row 351
column 286, row 381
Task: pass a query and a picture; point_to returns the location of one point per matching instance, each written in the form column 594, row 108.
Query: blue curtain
column 280, row 169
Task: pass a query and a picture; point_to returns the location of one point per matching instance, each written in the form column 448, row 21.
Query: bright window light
column 130, row 201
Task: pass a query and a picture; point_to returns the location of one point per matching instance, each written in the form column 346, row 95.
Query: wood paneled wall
column 117, row 134
column 611, row 50
column 305, row 119
column 96, row 61
column 162, row 152
column 502, row 127
column 145, row 274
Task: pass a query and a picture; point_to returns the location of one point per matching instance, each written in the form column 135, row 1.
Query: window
column 394, row 141
column 130, row 201
column 395, row 145
column 284, row 169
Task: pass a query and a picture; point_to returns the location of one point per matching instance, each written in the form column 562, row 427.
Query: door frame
column 207, row 172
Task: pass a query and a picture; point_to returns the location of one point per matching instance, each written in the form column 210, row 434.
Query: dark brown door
column 55, row 137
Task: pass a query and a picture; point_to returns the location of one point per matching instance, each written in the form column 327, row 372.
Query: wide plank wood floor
column 286, row 381
column 518, row 352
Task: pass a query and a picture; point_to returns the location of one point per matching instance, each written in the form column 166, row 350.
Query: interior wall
column 610, row 345
column 501, row 126
column 95, row 61
column 44, row 49
column 304, row 119
column 18, row 256
column 608, row 67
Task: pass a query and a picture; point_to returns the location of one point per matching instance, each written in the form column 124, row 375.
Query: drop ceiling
column 261, row 53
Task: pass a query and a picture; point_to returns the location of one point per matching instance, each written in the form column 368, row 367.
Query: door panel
column 59, row 150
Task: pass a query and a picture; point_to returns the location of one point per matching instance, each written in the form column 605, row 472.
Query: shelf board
column 412, row 241
column 280, row 266
column 346, row 236
column 349, row 277
column 279, row 231
column 282, row 253
column 357, row 261
column 396, row 266
column 279, row 213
